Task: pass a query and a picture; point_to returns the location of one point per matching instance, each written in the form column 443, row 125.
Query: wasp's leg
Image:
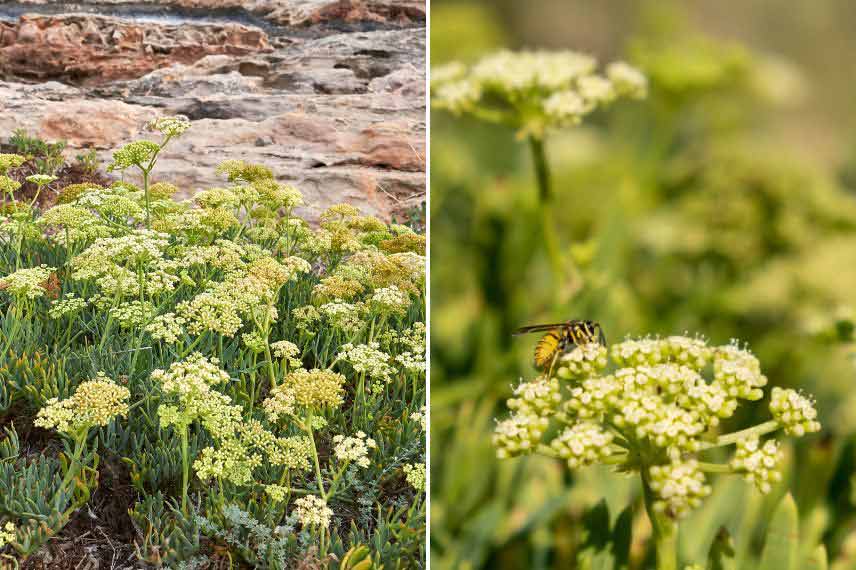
column 553, row 364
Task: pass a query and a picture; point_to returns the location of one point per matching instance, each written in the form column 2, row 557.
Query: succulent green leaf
column 782, row 543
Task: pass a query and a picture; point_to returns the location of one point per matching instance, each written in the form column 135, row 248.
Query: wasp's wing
column 538, row 328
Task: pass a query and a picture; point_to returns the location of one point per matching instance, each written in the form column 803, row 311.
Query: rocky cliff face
column 330, row 95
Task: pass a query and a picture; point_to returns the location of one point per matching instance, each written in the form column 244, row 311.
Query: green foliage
column 168, row 536
column 88, row 161
column 780, row 547
column 47, row 156
column 33, row 490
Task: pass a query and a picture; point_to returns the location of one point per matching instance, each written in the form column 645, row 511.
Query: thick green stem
column 146, row 192
column 268, row 356
column 185, row 470
column 315, row 456
column 73, row 469
column 665, row 530
column 36, row 196
column 545, row 201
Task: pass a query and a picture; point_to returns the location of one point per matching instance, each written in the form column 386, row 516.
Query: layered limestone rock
column 339, row 114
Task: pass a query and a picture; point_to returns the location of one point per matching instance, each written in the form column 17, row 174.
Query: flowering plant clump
column 233, row 355
column 658, row 412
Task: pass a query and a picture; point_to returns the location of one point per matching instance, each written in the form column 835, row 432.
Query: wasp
column 560, row 338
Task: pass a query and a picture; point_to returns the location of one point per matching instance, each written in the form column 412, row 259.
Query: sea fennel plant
column 657, row 412
column 256, row 382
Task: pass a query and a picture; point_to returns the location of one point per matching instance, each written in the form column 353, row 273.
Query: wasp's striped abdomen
column 547, row 348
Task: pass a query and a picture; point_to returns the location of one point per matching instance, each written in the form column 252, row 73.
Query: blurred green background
column 724, row 204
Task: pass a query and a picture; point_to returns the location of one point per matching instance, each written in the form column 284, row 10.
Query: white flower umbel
column 655, row 412
column 313, row 512
column 353, row 449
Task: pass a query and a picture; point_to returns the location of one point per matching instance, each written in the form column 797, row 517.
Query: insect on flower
column 560, row 338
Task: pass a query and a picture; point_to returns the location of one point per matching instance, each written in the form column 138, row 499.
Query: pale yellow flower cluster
column 287, row 351
column 533, row 89
column 353, row 449
column 315, row 388
column 94, row 403
column 7, row 534
column 277, row 493
column 170, row 126
column 27, row 283
column 414, row 473
column 313, row 512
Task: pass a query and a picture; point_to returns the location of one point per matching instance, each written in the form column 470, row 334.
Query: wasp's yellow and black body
column 560, row 338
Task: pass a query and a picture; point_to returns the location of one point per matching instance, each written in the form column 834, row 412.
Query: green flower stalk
column 187, row 386
column 143, row 154
column 534, row 92
column 40, row 180
column 657, row 413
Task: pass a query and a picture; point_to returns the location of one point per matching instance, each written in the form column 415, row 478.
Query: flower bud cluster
column 169, row 126
column 541, row 397
column 583, row 444
column 313, row 389
column 69, row 305
column 8, row 161
column 518, row 435
column 680, row 487
column 556, row 88
column 41, row 179
column 390, row 301
column 794, row 411
column 7, row 533
column 254, row 342
column 230, row 460
column 420, row 417
column 167, row 328
column 138, row 153
column 192, row 376
column 739, row 372
column 414, row 473
column 287, row 351
column 277, row 493
column 582, row 362
column 8, row 185
column 758, row 462
column 132, row 314
column 639, row 352
column 353, row 449
column 27, row 283
column 368, row 359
